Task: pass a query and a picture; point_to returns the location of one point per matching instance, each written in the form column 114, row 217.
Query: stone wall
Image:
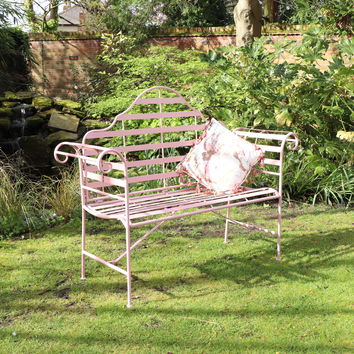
column 61, row 63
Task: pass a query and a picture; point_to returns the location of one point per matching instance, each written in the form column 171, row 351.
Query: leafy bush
column 335, row 16
column 256, row 87
column 125, row 72
column 15, row 59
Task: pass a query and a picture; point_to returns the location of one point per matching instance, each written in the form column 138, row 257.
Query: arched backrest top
column 189, row 110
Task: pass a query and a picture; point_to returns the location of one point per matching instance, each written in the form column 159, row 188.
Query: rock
column 57, row 137
column 23, row 111
column 9, row 104
column 75, row 112
column 34, row 122
column 48, row 113
column 42, row 103
column 10, row 96
column 64, row 122
column 25, row 96
column 94, row 124
column 69, row 104
column 5, row 112
column 35, row 150
column 5, row 124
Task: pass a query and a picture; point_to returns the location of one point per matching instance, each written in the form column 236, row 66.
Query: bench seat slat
column 191, row 199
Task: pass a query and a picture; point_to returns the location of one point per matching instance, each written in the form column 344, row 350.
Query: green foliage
column 8, row 10
column 255, row 87
column 195, row 13
column 336, row 16
column 124, row 74
column 15, row 59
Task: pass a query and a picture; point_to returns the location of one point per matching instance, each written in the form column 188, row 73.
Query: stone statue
column 248, row 20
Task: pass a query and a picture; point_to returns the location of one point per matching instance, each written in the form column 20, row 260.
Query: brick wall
column 61, row 64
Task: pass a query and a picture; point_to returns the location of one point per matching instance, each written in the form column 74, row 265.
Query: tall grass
column 19, row 202
column 62, row 194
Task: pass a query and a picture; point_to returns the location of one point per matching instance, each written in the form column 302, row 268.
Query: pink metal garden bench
column 116, row 184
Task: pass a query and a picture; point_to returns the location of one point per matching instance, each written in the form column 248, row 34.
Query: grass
column 192, row 293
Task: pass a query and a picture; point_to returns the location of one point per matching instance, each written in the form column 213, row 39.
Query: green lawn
column 192, row 293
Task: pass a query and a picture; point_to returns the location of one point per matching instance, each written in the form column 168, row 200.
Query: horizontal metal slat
column 143, row 147
column 152, row 177
column 129, row 132
column 268, row 136
column 160, row 100
column 105, row 179
column 158, row 161
column 272, row 162
column 180, row 114
column 270, row 148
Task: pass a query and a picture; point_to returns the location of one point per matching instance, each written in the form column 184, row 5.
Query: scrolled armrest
column 75, row 146
column 291, row 140
column 101, row 163
column 79, row 153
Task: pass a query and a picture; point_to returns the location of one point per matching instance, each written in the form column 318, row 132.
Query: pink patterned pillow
column 221, row 160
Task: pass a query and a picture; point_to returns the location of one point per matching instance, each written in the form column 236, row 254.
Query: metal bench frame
column 157, row 205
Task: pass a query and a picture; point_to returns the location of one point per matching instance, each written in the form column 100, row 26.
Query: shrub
column 255, row 88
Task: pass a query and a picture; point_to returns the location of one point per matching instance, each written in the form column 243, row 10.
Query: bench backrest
column 155, row 133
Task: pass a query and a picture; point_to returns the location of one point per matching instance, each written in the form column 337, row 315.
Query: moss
column 42, row 103
column 34, row 122
column 5, row 112
column 68, row 104
column 94, row 124
column 9, row 104
column 59, row 136
column 10, row 95
column 5, row 124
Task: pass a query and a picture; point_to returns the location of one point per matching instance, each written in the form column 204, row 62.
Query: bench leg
column 278, row 258
column 226, row 240
column 83, row 244
column 129, row 276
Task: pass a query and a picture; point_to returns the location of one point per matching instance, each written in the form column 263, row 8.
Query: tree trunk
column 30, row 14
column 53, row 10
column 269, row 10
column 248, row 20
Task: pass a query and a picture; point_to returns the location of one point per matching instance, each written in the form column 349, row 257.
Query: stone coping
column 177, row 31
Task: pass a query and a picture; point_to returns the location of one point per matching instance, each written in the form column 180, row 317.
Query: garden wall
column 61, row 63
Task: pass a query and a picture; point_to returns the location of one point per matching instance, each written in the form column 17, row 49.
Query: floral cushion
column 220, row 160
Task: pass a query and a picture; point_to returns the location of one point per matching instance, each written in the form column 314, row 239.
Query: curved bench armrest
column 83, row 152
column 290, row 139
